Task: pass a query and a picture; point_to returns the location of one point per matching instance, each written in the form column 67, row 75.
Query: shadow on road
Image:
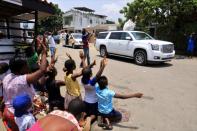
column 127, row 60
column 122, row 59
column 127, row 127
column 68, row 46
column 159, row 65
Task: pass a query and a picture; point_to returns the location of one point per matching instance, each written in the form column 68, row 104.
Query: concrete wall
column 83, row 20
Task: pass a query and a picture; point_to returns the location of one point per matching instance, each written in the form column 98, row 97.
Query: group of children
column 98, row 96
column 97, row 100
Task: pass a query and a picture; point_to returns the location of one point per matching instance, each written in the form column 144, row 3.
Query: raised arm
column 75, row 75
column 102, row 67
column 69, row 56
column 33, row 77
column 84, row 65
column 60, row 82
column 53, row 61
column 92, row 64
column 122, row 96
column 81, row 55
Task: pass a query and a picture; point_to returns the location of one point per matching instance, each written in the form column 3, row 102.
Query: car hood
column 158, row 42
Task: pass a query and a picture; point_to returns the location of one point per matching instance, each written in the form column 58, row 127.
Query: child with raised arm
column 105, row 103
column 53, row 88
column 90, row 99
column 71, row 83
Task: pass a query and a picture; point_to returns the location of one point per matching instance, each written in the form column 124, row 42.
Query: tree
column 52, row 23
column 173, row 18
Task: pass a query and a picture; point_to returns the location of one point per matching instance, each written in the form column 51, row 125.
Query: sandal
column 100, row 121
column 101, row 124
column 108, row 127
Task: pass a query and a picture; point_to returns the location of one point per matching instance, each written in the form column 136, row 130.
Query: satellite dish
column 129, row 25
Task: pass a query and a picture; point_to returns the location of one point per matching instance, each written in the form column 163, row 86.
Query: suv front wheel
column 140, row 57
column 103, row 51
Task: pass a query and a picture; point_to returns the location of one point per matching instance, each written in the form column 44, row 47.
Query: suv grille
column 167, row 48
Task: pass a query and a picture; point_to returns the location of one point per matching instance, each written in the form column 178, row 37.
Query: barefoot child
column 105, row 104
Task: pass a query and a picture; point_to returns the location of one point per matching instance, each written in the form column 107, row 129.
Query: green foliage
column 172, row 18
column 52, row 23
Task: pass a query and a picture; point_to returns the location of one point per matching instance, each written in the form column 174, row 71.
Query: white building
column 81, row 17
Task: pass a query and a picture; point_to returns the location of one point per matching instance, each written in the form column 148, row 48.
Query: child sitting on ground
column 23, row 118
column 53, row 88
column 72, row 85
column 105, row 103
column 90, row 99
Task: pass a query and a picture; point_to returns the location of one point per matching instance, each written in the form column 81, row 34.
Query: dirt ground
column 169, row 89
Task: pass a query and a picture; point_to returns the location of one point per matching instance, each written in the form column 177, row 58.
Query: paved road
column 170, row 90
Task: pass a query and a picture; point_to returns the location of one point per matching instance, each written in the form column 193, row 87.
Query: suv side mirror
column 128, row 38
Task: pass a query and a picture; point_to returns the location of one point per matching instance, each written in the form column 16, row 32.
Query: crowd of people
column 23, row 80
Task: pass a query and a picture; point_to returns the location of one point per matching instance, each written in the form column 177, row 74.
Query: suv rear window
column 102, row 35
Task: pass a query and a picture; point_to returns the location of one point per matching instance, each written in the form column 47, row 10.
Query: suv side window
column 115, row 35
column 102, row 35
column 124, row 35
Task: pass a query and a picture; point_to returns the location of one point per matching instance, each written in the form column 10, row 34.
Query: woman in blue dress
column 190, row 46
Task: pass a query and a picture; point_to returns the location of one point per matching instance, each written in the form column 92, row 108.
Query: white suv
column 134, row 44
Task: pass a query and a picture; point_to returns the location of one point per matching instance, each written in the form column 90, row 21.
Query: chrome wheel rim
column 102, row 51
column 139, row 58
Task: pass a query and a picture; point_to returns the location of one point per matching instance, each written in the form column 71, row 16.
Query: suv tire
column 140, row 57
column 103, row 51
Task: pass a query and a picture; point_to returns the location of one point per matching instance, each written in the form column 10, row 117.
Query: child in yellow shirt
column 71, row 82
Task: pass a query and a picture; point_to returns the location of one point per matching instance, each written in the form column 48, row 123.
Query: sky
column 110, row 8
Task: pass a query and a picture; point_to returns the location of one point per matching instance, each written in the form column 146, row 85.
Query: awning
column 10, row 8
column 28, row 16
column 14, row 12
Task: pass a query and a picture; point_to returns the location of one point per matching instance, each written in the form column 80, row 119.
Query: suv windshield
column 141, row 36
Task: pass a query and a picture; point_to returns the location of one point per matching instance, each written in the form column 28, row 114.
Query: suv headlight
column 155, row 47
